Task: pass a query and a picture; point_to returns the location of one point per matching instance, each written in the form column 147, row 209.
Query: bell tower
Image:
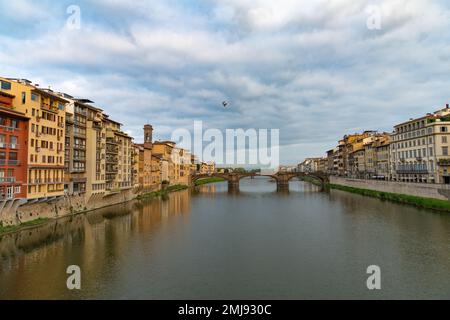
column 148, row 136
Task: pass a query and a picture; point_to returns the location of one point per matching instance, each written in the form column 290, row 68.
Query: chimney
column 446, row 106
column 148, row 136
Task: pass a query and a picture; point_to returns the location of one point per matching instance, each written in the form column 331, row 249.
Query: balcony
column 4, row 180
column 49, row 107
column 80, row 124
column 112, row 141
column 9, row 145
column 69, row 119
column 412, row 169
column 79, row 158
column 444, row 162
column 81, row 112
column 79, row 146
column 112, row 150
column 9, row 128
column 4, row 162
column 79, row 134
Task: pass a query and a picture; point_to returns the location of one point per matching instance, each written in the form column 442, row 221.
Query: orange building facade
column 13, row 150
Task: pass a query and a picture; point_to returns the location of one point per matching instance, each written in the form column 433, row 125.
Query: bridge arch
column 320, row 177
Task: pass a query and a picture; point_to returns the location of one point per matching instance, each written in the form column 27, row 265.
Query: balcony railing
column 112, row 141
column 81, row 112
column 9, row 145
column 412, row 170
column 7, row 179
column 79, row 146
column 79, row 134
column 80, row 124
column 8, row 128
column 49, row 107
column 4, row 162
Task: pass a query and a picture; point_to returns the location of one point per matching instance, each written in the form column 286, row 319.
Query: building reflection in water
column 33, row 262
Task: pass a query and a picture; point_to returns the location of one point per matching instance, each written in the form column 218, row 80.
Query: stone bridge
column 282, row 178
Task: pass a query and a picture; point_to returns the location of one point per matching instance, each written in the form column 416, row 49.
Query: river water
column 256, row 244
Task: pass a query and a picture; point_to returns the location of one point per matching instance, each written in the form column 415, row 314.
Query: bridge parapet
column 282, row 178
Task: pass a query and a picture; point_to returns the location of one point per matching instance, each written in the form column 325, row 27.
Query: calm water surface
column 258, row 243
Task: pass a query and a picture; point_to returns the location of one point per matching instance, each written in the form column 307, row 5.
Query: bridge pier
column 282, row 183
column 233, row 182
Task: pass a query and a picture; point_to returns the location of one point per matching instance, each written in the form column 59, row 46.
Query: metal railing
column 7, row 179
column 8, row 128
column 4, row 162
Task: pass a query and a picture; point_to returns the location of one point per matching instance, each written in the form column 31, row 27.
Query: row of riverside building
column 53, row 145
column 416, row 151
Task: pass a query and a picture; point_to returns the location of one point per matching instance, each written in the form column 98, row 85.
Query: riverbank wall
column 432, row 191
column 17, row 214
column 28, row 214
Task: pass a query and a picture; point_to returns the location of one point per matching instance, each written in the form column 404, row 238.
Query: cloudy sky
column 312, row 69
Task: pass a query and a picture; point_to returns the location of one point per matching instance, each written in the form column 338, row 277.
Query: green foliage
column 427, row 203
column 201, row 182
column 36, row 222
column 162, row 192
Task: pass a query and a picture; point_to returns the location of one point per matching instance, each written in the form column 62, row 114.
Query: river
column 255, row 244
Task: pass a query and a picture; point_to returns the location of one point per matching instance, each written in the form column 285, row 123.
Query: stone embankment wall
column 67, row 206
column 434, row 191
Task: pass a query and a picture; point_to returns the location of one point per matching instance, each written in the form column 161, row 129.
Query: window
column 443, row 129
column 445, row 151
column 24, row 97
column 5, row 85
column 13, row 158
column 34, row 97
column 17, row 189
column 444, row 139
column 13, row 141
column 430, row 153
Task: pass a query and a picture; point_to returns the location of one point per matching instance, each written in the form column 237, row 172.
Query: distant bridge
column 282, row 178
